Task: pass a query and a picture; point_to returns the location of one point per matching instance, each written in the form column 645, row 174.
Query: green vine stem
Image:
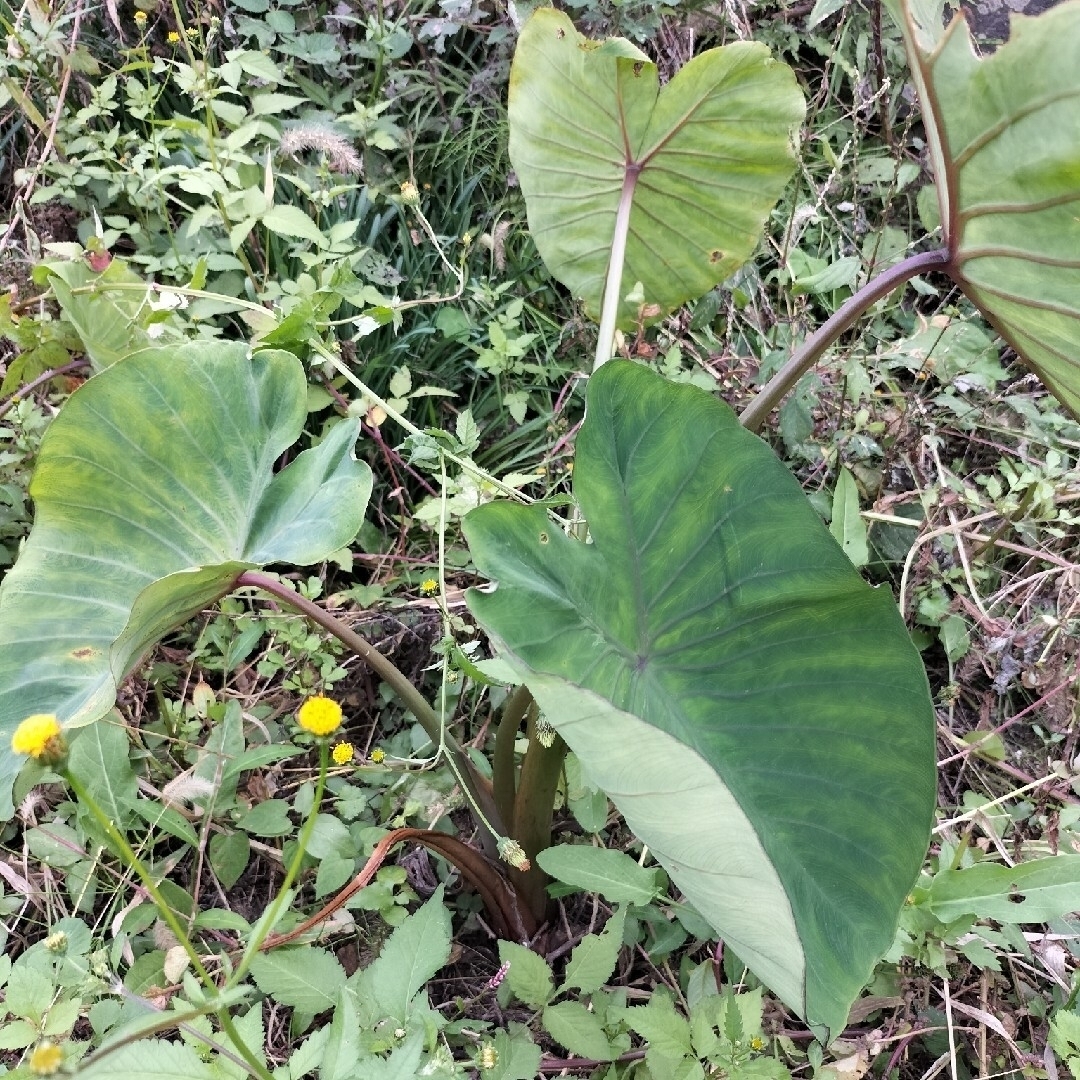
column 811, row 350
column 478, row 788
column 270, row 916
column 117, row 838
column 119, row 841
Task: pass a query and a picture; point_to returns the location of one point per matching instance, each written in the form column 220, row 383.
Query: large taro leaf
column 154, row 489
column 1004, row 133
column 757, row 712
column 703, row 159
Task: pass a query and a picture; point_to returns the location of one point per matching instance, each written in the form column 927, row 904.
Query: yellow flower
column 429, row 587
column 140, row 19
column 378, row 756
column 320, row 715
column 409, row 195
column 46, row 1059
column 41, row 737
column 757, row 1043
column 173, row 37
column 192, row 31
column 342, row 753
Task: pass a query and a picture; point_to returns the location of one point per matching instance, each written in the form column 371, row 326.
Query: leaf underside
column 755, row 710
column 707, row 155
column 1005, row 138
column 154, row 489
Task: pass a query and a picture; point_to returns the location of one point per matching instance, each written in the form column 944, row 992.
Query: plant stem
column 811, row 350
column 533, row 810
column 136, row 864
column 266, row 923
column 476, row 786
column 605, row 344
column 504, row 781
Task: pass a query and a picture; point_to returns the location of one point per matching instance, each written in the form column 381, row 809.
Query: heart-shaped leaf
column 1004, row 134
column 154, row 489
column 702, row 159
column 756, row 711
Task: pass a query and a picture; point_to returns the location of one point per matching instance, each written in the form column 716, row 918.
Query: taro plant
column 691, row 630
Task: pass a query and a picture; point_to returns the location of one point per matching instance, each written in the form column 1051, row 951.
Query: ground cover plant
column 710, row 613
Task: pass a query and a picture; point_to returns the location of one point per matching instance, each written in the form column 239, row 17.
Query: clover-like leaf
column 757, row 712
column 1004, row 135
column 154, row 490
column 699, row 162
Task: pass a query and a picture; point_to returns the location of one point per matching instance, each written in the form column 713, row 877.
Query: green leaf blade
column 707, row 156
column 754, row 709
column 155, row 488
column 1005, row 136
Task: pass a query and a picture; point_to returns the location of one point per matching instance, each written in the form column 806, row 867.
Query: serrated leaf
column 286, row 220
column 416, row 950
column 529, row 976
column 613, row 874
column 308, row 978
column 666, row 1032
column 517, row 1057
column 468, row 434
column 343, row 1044
column 580, row 1031
column 147, row 1058
column 593, row 960
column 402, row 1064
column 99, row 760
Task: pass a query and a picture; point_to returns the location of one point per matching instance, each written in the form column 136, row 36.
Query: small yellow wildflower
column 409, row 195
column 41, row 737
column 510, row 851
column 46, row 1059
column 320, row 715
column 173, row 37
column 757, row 1043
column 342, row 753
column 378, row 756
column 429, row 587
column 140, row 19
column 192, row 31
